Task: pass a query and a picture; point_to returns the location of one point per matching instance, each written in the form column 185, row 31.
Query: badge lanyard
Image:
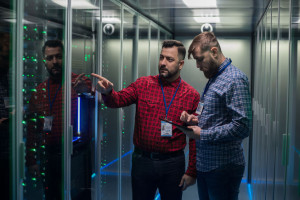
column 52, row 102
column 162, row 89
column 210, row 80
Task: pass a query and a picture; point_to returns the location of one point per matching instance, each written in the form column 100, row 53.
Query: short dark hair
column 52, row 43
column 204, row 41
column 178, row 44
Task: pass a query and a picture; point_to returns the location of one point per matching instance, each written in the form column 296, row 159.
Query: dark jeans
column 53, row 174
column 220, row 184
column 148, row 174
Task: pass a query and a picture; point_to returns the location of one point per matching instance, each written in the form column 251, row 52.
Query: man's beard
column 55, row 75
column 213, row 70
column 168, row 74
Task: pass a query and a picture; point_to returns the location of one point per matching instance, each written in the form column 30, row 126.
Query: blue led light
column 250, row 191
column 78, row 117
column 115, row 160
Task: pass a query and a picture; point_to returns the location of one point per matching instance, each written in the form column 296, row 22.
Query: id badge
column 48, row 123
column 166, row 129
column 200, row 108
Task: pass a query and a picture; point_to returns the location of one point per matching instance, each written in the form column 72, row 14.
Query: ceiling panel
column 228, row 16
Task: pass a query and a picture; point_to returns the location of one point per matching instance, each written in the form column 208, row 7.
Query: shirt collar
column 226, row 61
column 167, row 83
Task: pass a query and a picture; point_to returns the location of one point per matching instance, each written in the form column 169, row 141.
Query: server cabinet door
column 43, row 98
column 85, row 23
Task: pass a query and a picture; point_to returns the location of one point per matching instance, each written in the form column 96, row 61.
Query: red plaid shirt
column 146, row 93
column 39, row 107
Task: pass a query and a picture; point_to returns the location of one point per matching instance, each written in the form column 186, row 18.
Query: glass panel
column 43, row 99
column 268, row 159
column 85, row 18
column 143, row 46
column 154, row 51
column 272, row 99
column 293, row 170
column 6, row 96
column 282, row 108
column 110, row 146
column 257, row 108
column 129, row 75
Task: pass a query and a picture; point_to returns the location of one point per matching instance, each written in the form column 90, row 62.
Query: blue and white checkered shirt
column 225, row 121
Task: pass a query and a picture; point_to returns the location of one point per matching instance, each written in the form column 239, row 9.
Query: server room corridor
column 59, row 140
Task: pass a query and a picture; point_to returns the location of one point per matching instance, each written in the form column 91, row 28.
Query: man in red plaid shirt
column 45, row 132
column 158, row 161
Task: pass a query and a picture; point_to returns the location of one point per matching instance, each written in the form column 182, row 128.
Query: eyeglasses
column 57, row 56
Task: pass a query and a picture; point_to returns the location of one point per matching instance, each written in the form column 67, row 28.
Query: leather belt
column 157, row 155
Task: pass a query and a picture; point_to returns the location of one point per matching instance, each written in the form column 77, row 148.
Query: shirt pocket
column 148, row 106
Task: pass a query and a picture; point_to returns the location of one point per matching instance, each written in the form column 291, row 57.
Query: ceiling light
column 206, row 16
column 76, row 4
column 200, row 3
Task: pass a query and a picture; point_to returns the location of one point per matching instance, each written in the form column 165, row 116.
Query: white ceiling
column 235, row 16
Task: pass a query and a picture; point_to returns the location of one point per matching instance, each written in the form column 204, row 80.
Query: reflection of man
column 158, row 160
column 4, row 115
column 224, row 121
column 45, row 130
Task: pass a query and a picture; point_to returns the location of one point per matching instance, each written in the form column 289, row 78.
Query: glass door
column 85, row 17
column 7, row 100
column 44, row 95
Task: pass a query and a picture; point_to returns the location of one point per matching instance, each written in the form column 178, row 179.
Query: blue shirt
column 225, row 121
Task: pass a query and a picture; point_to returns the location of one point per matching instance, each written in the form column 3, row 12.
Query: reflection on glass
column 43, row 97
column 110, row 145
column 85, row 18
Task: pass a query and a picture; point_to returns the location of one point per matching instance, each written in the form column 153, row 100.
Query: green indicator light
column 23, row 75
column 44, row 89
column 32, row 75
column 34, row 179
column 35, row 29
column 124, row 83
column 44, row 32
column 27, row 101
column 89, row 56
column 23, row 184
column 27, row 75
column 33, row 90
column 41, row 117
column 24, row 59
column 33, row 119
column 44, row 60
column 43, row 174
column 25, row 27
column 33, row 150
column 23, row 122
column 125, row 66
column 23, row 90
column 43, row 146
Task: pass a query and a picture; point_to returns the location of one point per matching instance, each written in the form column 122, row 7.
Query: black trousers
column 149, row 174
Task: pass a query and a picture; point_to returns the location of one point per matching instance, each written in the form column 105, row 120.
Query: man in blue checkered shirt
column 224, row 120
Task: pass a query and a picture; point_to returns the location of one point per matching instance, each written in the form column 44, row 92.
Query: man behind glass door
column 158, row 160
column 223, row 122
column 44, row 153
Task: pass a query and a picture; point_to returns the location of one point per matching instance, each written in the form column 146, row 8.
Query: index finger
column 98, row 76
column 79, row 77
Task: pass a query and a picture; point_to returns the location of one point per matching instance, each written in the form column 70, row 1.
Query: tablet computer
column 181, row 127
